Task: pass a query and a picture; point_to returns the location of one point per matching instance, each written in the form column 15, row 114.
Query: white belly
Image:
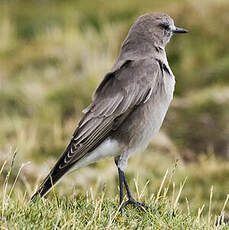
column 108, row 148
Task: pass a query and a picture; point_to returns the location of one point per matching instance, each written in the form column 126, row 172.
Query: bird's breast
column 146, row 120
column 155, row 109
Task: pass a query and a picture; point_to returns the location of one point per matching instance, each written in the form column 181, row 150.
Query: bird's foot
column 132, row 201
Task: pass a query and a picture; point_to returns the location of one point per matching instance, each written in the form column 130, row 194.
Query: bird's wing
column 118, row 94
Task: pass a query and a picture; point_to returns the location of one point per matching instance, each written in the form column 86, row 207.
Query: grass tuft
column 100, row 210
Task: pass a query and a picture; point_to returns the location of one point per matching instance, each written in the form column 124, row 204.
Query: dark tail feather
column 49, row 182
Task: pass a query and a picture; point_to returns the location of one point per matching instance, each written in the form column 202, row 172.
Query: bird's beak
column 178, row 30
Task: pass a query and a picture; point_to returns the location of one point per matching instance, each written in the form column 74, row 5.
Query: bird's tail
column 49, row 182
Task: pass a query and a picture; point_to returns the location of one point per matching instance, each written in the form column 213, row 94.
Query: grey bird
column 127, row 108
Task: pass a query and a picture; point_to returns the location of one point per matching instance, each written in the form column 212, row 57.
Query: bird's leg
column 120, row 182
column 120, row 185
column 131, row 200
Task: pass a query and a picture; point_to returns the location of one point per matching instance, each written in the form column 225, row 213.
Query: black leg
column 120, row 182
column 126, row 186
column 131, row 200
column 120, row 186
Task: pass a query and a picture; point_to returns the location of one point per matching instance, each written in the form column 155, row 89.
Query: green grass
column 180, row 197
column 51, row 62
column 84, row 213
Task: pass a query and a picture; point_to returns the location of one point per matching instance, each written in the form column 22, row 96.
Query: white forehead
column 164, row 19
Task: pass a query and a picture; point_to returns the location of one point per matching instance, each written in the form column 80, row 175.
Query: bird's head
column 156, row 28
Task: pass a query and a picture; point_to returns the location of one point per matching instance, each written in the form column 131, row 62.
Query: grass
column 94, row 205
column 52, row 61
column 84, row 213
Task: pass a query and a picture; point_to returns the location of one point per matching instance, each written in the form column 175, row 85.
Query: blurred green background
column 54, row 53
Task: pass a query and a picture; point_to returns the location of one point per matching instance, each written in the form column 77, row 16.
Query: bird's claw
column 132, row 201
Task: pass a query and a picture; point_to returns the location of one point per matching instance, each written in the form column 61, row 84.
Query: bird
column 127, row 108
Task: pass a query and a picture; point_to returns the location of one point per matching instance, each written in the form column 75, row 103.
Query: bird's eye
column 165, row 26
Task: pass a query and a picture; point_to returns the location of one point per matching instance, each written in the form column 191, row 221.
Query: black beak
column 180, row 31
